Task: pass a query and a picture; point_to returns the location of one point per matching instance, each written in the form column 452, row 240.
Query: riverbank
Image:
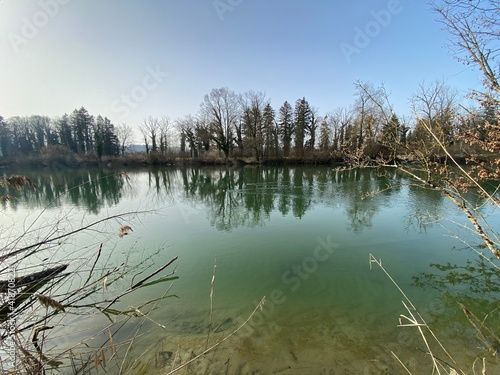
column 176, row 159
column 59, row 156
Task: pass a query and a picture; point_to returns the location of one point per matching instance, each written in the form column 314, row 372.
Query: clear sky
column 128, row 59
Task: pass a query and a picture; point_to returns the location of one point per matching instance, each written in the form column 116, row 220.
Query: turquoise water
column 301, row 237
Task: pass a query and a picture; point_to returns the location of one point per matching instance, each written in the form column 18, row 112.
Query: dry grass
column 413, row 318
column 38, row 299
column 17, row 182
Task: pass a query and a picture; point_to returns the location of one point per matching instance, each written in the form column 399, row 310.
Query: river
column 299, row 236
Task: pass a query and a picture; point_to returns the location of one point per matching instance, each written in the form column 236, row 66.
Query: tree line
column 246, row 125
column 230, row 125
column 79, row 132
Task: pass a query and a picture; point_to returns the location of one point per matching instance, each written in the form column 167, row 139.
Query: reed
column 414, row 319
column 40, row 299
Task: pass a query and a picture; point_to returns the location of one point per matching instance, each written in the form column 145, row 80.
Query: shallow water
column 301, row 237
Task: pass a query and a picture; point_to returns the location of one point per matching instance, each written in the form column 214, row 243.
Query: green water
column 299, row 236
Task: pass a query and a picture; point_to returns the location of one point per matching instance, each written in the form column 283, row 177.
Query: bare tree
column 150, row 129
column 186, row 128
column 339, row 121
column 374, row 109
column 363, row 112
column 474, row 27
column 221, row 110
column 252, row 105
column 434, row 108
column 125, row 135
column 166, row 132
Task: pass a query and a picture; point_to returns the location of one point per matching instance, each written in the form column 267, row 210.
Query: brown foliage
column 49, row 302
column 17, row 182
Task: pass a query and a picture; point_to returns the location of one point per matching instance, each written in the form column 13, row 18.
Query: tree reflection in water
column 233, row 197
column 90, row 189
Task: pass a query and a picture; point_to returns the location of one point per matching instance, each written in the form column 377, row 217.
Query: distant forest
column 245, row 126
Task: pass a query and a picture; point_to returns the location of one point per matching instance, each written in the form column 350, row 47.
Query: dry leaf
column 123, row 231
column 49, row 302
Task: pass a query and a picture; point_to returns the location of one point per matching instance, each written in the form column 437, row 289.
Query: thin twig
column 415, row 322
column 490, row 198
column 212, row 290
column 68, row 234
column 93, row 266
column 212, row 284
column 379, row 263
column 139, row 283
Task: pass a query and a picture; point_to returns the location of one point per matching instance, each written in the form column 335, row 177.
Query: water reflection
column 247, row 196
column 295, row 202
column 476, row 279
column 235, row 197
column 91, row 189
column 469, row 293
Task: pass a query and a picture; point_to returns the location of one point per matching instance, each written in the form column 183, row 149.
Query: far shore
column 171, row 159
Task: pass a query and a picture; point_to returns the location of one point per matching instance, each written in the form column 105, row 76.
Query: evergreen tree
column 82, row 124
column 5, row 138
column 187, row 129
column 286, row 127
column 183, row 143
column 65, row 132
column 403, row 134
column 111, row 141
column 302, row 120
column 99, row 136
column 390, row 135
column 324, row 135
column 105, row 139
column 311, row 128
column 23, row 137
column 271, row 136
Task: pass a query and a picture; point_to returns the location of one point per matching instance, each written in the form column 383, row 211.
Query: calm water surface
column 300, row 236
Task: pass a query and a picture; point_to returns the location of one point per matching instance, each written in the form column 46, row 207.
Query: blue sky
column 128, row 59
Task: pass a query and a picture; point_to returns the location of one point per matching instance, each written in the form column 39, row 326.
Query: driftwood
column 35, row 277
column 30, row 284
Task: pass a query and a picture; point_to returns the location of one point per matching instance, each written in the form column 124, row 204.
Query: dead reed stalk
column 414, row 319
